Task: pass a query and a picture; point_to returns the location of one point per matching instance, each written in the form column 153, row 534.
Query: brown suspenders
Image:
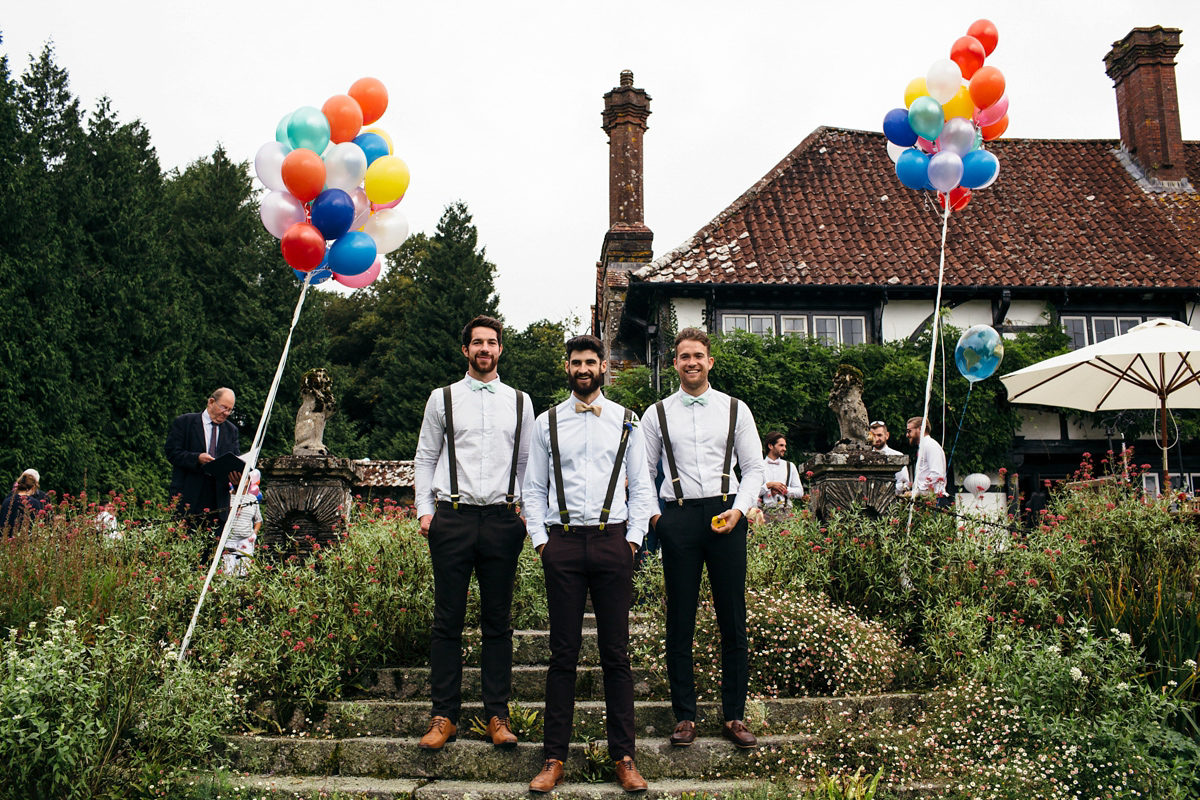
column 666, row 440
column 564, row 515
column 448, row 403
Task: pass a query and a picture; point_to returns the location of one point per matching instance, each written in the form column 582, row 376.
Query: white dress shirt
column 931, row 468
column 484, row 426
column 902, row 482
column 777, row 470
column 587, row 445
column 698, row 434
column 209, row 426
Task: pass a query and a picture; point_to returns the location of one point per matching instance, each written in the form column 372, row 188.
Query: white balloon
column 389, row 229
column 945, row 171
column 268, row 165
column 894, row 151
column 943, row 80
column 280, row 211
column 362, row 208
column 957, row 136
column 345, row 166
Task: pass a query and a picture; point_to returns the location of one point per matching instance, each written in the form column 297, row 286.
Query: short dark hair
column 915, row 422
column 773, row 437
column 692, row 335
column 482, row 321
column 585, row 341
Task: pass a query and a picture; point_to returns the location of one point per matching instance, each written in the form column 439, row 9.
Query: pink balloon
column 280, row 211
column 993, row 113
column 926, row 146
column 362, row 280
column 382, row 206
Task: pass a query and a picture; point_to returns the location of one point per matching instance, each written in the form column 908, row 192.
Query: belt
column 590, row 530
column 465, row 508
column 700, row 501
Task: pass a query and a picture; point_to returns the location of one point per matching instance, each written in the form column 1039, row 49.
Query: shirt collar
column 205, row 418
column 573, row 398
column 467, row 379
column 682, row 394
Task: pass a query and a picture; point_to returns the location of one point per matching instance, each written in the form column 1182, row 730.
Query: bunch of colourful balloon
column 937, row 140
column 334, row 188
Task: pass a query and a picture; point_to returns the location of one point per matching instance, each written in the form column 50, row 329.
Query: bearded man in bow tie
column 468, row 470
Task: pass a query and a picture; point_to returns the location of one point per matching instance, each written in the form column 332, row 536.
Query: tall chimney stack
column 625, row 112
column 1142, row 67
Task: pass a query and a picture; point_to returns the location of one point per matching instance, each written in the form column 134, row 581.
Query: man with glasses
column 194, row 440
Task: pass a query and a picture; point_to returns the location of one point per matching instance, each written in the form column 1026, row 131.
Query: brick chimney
column 1142, row 67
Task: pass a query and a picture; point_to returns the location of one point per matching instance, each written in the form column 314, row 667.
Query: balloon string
column 962, row 417
column 252, row 462
column 936, row 332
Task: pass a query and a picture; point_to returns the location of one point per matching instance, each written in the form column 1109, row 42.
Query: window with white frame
column 1103, row 329
column 762, row 324
column 1076, row 328
column 1086, row 329
column 793, row 325
column 826, row 329
column 854, row 330
column 831, row 329
column 734, row 322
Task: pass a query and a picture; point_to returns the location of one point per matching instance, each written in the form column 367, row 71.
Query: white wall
column 689, row 312
column 901, row 317
column 1027, row 312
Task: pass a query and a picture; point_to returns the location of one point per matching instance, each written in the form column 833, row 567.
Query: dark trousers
column 688, row 546
column 575, row 562
column 485, row 540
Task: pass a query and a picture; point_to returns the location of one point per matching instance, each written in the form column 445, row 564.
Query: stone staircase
column 366, row 745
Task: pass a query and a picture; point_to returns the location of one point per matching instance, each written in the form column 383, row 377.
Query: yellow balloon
column 960, row 105
column 916, row 88
column 387, row 179
column 386, row 138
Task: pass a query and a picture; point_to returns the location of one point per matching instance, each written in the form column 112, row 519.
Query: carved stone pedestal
column 306, row 500
column 852, row 476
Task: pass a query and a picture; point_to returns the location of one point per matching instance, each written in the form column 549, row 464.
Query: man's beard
column 482, row 370
column 583, row 383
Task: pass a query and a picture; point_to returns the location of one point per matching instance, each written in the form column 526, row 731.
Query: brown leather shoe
column 550, row 776
column 684, row 733
column 628, row 777
column 735, row 731
column 502, row 735
column 441, row 730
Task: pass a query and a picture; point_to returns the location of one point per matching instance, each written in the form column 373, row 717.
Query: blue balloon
column 897, row 129
column 980, row 350
column 319, row 275
column 353, row 254
column 979, row 167
column 333, row 213
column 374, row 145
column 912, row 168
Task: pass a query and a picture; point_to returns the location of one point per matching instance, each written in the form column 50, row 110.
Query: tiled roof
column 1063, row 213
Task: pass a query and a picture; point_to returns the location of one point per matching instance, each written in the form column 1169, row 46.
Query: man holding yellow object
column 701, row 433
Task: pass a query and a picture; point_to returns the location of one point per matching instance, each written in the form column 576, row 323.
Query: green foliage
column 533, row 361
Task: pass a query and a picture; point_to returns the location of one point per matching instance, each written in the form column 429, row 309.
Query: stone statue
column 316, row 406
column 845, row 399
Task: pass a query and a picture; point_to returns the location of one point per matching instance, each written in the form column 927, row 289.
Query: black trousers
column 485, row 540
column 575, row 562
column 688, row 546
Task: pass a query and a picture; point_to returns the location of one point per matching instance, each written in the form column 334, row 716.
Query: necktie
column 582, row 407
column 688, row 400
column 480, row 385
column 212, row 440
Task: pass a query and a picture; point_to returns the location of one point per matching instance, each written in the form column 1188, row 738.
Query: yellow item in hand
column 718, row 522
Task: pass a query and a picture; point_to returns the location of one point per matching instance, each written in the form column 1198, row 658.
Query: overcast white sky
column 498, row 103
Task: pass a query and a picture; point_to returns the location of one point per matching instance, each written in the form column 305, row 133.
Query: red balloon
column 959, row 198
column 303, row 174
column 995, row 130
column 968, row 53
column 986, row 33
column 372, row 98
column 303, row 246
column 986, row 87
column 345, row 117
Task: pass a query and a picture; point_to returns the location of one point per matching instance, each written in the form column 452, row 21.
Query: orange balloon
column 987, row 86
column 372, row 97
column 345, row 118
column 986, row 33
column 968, row 53
column 995, row 130
column 303, row 174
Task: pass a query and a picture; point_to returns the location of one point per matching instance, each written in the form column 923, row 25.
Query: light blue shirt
column 588, row 447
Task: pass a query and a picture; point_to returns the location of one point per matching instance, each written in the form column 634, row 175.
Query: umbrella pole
column 1163, row 441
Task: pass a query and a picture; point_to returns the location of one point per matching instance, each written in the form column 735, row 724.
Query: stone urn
column 852, row 476
column 306, row 501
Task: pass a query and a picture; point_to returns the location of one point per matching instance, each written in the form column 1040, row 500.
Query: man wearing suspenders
column 586, row 453
column 781, row 479
column 468, row 468
column 699, row 432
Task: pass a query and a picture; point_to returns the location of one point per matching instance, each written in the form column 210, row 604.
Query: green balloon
column 925, row 117
column 308, row 128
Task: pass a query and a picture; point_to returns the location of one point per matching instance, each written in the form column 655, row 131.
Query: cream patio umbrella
column 1154, row 365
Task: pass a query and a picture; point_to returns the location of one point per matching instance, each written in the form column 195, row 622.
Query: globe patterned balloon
column 980, row 351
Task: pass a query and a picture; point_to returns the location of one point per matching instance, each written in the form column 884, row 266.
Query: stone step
column 478, row 761
column 528, row 683
column 346, row 719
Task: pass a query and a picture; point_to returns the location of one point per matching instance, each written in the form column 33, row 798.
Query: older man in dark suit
column 194, row 440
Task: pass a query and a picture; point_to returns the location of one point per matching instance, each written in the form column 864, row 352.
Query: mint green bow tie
column 477, row 385
column 688, row 400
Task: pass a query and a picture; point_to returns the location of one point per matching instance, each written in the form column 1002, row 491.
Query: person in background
column 23, row 504
column 782, row 479
column 194, row 440
column 929, row 476
column 879, row 441
column 243, row 533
